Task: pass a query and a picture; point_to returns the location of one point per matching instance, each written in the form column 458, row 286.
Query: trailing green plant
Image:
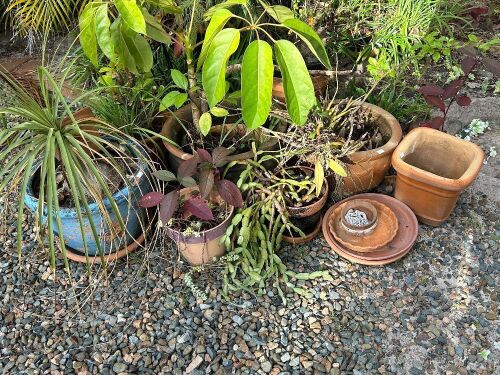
column 254, row 235
column 47, row 136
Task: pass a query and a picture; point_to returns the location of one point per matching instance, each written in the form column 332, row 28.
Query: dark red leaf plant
column 443, row 97
column 205, row 167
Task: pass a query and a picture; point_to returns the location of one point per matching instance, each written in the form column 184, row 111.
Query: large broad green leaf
column 168, row 6
column 123, row 56
column 139, row 49
column 154, row 29
column 102, row 25
column 227, row 4
column 309, row 36
column 88, row 38
column 297, row 83
column 132, row 15
column 257, row 73
column 279, row 12
column 219, row 19
column 214, row 69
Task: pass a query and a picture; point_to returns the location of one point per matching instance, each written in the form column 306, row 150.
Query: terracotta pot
column 206, row 247
column 433, row 168
column 308, row 237
column 174, row 129
column 320, row 83
column 370, row 167
column 306, row 218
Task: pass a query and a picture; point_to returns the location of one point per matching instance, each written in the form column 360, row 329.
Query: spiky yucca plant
column 47, row 133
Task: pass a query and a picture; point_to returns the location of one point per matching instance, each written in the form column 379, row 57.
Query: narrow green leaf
column 173, row 98
column 219, row 112
column 167, row 6
column 226, row 4
column 280, row 13
column 337, row 168
column 88, row 38
column 214, row 70
column 310, row 38
column 124, row 57
column 297, row 83
column 257, row 73
column 179, row 79
column 205, row 123
column 138, row 47
column 154, row 29
column 102, row 24
column 165, row 175
column 132, row 15
column 218, row 21
column 319, row 175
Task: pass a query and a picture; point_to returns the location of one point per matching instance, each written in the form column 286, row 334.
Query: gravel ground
column 433, row 312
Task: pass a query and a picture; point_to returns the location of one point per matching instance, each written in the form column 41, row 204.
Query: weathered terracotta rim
column 432, row 179
column 308, row 237
column 355, row 204
column 184, row 114
column 108, row 258
column 383, row 118
column 313, row 208
column 205, row 236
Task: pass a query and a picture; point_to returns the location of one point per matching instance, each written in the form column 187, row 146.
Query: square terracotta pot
column 433, row 168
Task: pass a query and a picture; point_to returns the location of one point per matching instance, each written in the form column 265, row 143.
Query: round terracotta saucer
column 385, row 231
column 396, row 249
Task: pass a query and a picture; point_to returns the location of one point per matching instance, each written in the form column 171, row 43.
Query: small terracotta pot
column 433, row 168
column 370, row 167
column 173, row 129
column 306, row 218
column 320, row 83
column 308, row 237
column 363, row 206
column 203, row 249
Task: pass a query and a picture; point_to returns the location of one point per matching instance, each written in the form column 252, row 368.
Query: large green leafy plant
column 210, row 56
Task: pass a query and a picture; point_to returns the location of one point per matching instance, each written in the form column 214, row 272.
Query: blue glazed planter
column 110, row 240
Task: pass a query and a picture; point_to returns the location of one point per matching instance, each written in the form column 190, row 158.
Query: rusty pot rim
column 184, row 114
column 111, row 257
column 206, row 235
column 432, row 179
column 312, row 208
column 396, row 134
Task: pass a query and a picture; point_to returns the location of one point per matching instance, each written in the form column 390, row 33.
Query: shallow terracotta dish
column 396, row 249
column 384, row 232
column 368, row 209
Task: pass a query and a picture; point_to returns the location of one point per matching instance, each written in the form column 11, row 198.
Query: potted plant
column 306, row 192
column 79, row 175
column 197, row 216
column 351, row 139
